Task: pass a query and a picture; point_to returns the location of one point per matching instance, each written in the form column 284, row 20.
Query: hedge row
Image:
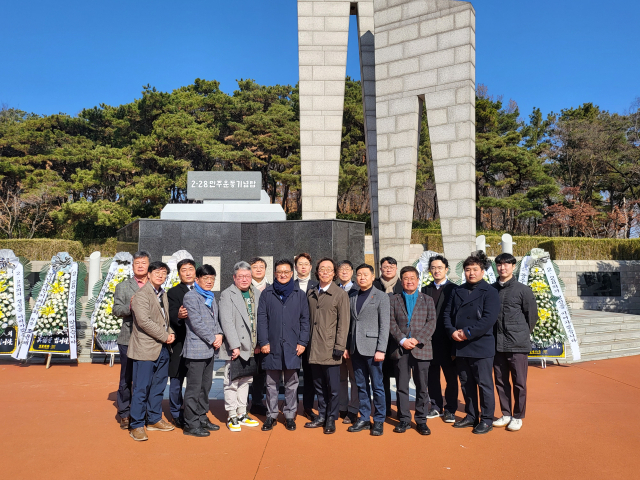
column 45, row 248
column 559, row 248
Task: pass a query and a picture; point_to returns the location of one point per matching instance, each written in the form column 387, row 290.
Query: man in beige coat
column 329, row 320
column 149, row 349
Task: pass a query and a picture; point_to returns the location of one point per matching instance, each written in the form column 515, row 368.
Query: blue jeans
column 365, row 368
column 149, row 382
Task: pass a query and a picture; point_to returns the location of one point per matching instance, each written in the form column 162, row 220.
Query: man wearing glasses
column 329, row 318
column 283, row 335
column 349, row 404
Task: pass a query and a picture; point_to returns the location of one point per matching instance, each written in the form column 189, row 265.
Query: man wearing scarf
column 203, row 337
column 283, row 335
column 258, row 280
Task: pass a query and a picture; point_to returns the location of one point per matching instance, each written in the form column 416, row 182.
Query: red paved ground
column 581, row 423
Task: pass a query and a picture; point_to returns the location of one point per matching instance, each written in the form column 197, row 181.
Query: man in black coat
column 469, row 320
column 177, row 316
column 283, row 336
column 518, row 318
column 390, row 283
column 440, row 290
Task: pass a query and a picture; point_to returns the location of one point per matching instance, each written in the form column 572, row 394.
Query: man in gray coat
column 516, row 321
column 203, row 337
column 238, row 318
column 122, row 308
column 367, row 344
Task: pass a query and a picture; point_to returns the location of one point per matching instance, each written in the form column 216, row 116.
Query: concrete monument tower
column 424, row 55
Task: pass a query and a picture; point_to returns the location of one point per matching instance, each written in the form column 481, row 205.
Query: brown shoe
column 161, row 426
column 124, row 423
column 138, row 434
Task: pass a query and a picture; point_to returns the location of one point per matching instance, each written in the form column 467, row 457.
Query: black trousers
column 406, row 366
column 516, row 364
column 388, row 371
column 476, row 378
column 124, row 387
column 308, row 388
column 256, row 389
column 196, row 395
column 442, row 361
column 326, row 379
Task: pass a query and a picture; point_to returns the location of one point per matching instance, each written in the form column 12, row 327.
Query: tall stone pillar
column 425, row 52
column 323, row 31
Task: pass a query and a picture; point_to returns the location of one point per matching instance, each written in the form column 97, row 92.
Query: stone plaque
column 599, row 284
column 224, row 185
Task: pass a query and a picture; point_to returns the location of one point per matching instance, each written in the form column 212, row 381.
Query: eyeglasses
column 345, row 269
column 283, row 274
column 325, row 270
column 159, row 273
column 437, row 269
column 243, row 277
column 390, row 267
column 303, row 264
column 208, row 278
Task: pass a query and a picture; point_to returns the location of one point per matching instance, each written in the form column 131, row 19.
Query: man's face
column 364, row 277
column 140, row 266
column 303, row 267
column 284, row 273
column 505, row 270
column 473, row 273
column 438, row 270
column 258, row 271
column 187, row 274
column 345, row 273
column 410, row 282
column 326, row 272
column 242, row 279
column 389, row 270
column 157, row 277
column 207, row 282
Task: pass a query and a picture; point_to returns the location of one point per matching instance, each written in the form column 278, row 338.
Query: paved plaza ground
column 61, row 423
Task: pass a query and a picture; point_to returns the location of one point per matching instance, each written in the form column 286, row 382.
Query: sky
column 68, row 55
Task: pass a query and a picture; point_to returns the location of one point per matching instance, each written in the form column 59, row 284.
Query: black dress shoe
column 196, row 432
column 268, row 424
column 423, row 429
column 350, row 418
column 290, row 424
column 482, row 428
column 359, row 425
column 466, row 422
column 377, row 429
column 309, row 414
column 207, row 425
column 258, row 410
column 330, row 426
column 317, row 423
column 402, row 427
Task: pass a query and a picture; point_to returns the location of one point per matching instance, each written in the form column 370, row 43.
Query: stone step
column 595, row 328
column 608, row 346
column 604, row 317
column 601, row 337
column 588, row 357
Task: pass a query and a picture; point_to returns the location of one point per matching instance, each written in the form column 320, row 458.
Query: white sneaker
column 502, row 421
column 233, row 424
column 247, row 421
column 514, row 425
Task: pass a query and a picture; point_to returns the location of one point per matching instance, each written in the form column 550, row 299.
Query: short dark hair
column 409, row 269
column 205, row 270
column 477, row 258
column 302, row 255
column 327, row 259
column 505, row 258
column 186, row 261
column 441, row 258
column 284, row 261
column 157, row 265
column 141, row 254
column 364, row 265
column 345, row 262
column 390, row 260
column 258, row 259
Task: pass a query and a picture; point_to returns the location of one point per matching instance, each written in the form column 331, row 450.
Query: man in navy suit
column 469, row 319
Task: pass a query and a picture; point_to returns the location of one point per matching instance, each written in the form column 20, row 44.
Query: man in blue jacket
column 283, row 335
column 469, row 319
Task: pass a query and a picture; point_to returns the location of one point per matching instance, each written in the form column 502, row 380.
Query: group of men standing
column 337, row 330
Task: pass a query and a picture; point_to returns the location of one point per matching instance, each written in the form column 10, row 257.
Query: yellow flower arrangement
column 3, row 285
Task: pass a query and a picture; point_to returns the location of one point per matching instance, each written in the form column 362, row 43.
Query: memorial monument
column 236, row 222
column 413, row 53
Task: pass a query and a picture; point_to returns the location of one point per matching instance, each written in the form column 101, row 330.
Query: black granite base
column 232, row 242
